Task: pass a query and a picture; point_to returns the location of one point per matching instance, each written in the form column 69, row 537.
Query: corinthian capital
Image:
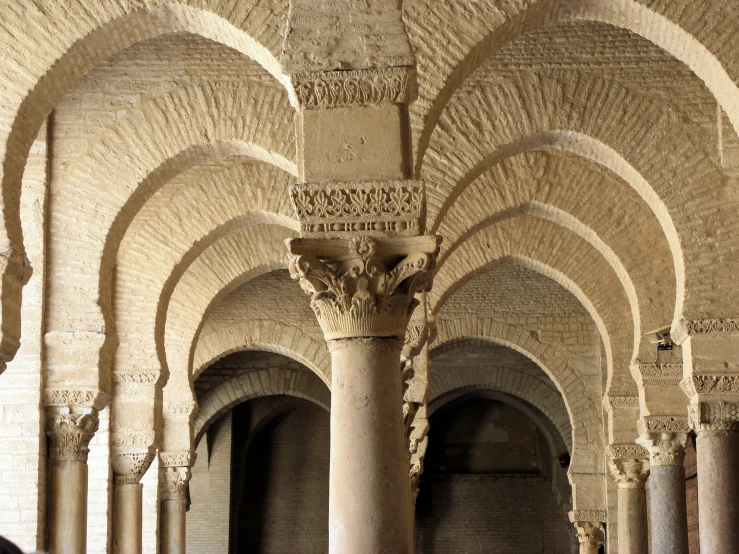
column 174, row 481
column 629, row 464
column 70, row 435
column 363, row 287
column 665, row 448
column 588, row 524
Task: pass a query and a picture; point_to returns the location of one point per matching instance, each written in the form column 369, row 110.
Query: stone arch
column 68, row 40
column 564, row 257
column 649, row 136
column 266, row 335
column 221, row 268
column 626, row 14
column 510, row 382
column 254, row 384
column 599, row 153
column 583, row 412
column 164, row 136
column 215, row 207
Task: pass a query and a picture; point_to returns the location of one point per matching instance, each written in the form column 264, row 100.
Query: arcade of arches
column 277, row 275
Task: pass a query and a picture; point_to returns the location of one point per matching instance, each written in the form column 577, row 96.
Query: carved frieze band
column 683, row 328
column 87, row 398
column 623, row 402
column 714, row 416
column 710, row 384
column 370, row 208
column 659, row 374
column 663, row 424
column 70, row 435
column 365, row 287
column 177, row 458
column 357, row 87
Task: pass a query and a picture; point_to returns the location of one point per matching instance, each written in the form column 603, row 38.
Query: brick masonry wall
column 505, row 514
column 210, row 492
column 284, row 498
column 23, row 457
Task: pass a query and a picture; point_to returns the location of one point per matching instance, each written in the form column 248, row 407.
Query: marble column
column 668, row 509
column 629, row 465
column 129, row 466
column 174, row 478
column 717, row 449
column 588, row 532
column 362, row 292
column 70, row 432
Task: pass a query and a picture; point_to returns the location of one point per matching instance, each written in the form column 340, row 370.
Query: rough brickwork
column 580, row 161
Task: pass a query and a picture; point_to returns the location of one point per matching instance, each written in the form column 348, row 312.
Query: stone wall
column 505, row 514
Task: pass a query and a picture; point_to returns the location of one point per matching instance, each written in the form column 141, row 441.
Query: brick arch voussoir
column 68, row 39
column 265, row 335
column 532, row 248
column 160, row 139
column 627, row 14
column 224, row 266
column 553, row 363
column 255, row 384
column 138, row 330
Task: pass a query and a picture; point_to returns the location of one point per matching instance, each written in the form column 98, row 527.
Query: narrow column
column 174, row 478
column 629, row 465
column 588, row 532
column 70, row 432
column 717, row 450
column 363, row 296
column 668, row 513
column 129, row 465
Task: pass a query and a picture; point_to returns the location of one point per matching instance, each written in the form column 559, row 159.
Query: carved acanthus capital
column 357, row 87
column 665, row 448
column 587, row 524
column 70, row 434
column 174, row 481
column 130, row 464
column 363, row 287
column 714, row 416
column 343, row 209
column 629, row 464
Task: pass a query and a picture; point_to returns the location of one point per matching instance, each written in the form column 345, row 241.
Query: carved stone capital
column 357, row 87
column 177, row 458
column 363, row 287
column 130, row 464
column 714, row 416
column 629, row 464
column 665, row 449
column 174, row 482
column 70, row 434
column 683, row 328
column 344, row 209
column 587, row 524
column 710, row 384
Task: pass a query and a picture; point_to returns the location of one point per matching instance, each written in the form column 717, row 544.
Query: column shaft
column 668, row 509
column 67, row 507
column 632, row 520
column 369, row 490
column 718, row 490
column 128, row 518
column 173, row 526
